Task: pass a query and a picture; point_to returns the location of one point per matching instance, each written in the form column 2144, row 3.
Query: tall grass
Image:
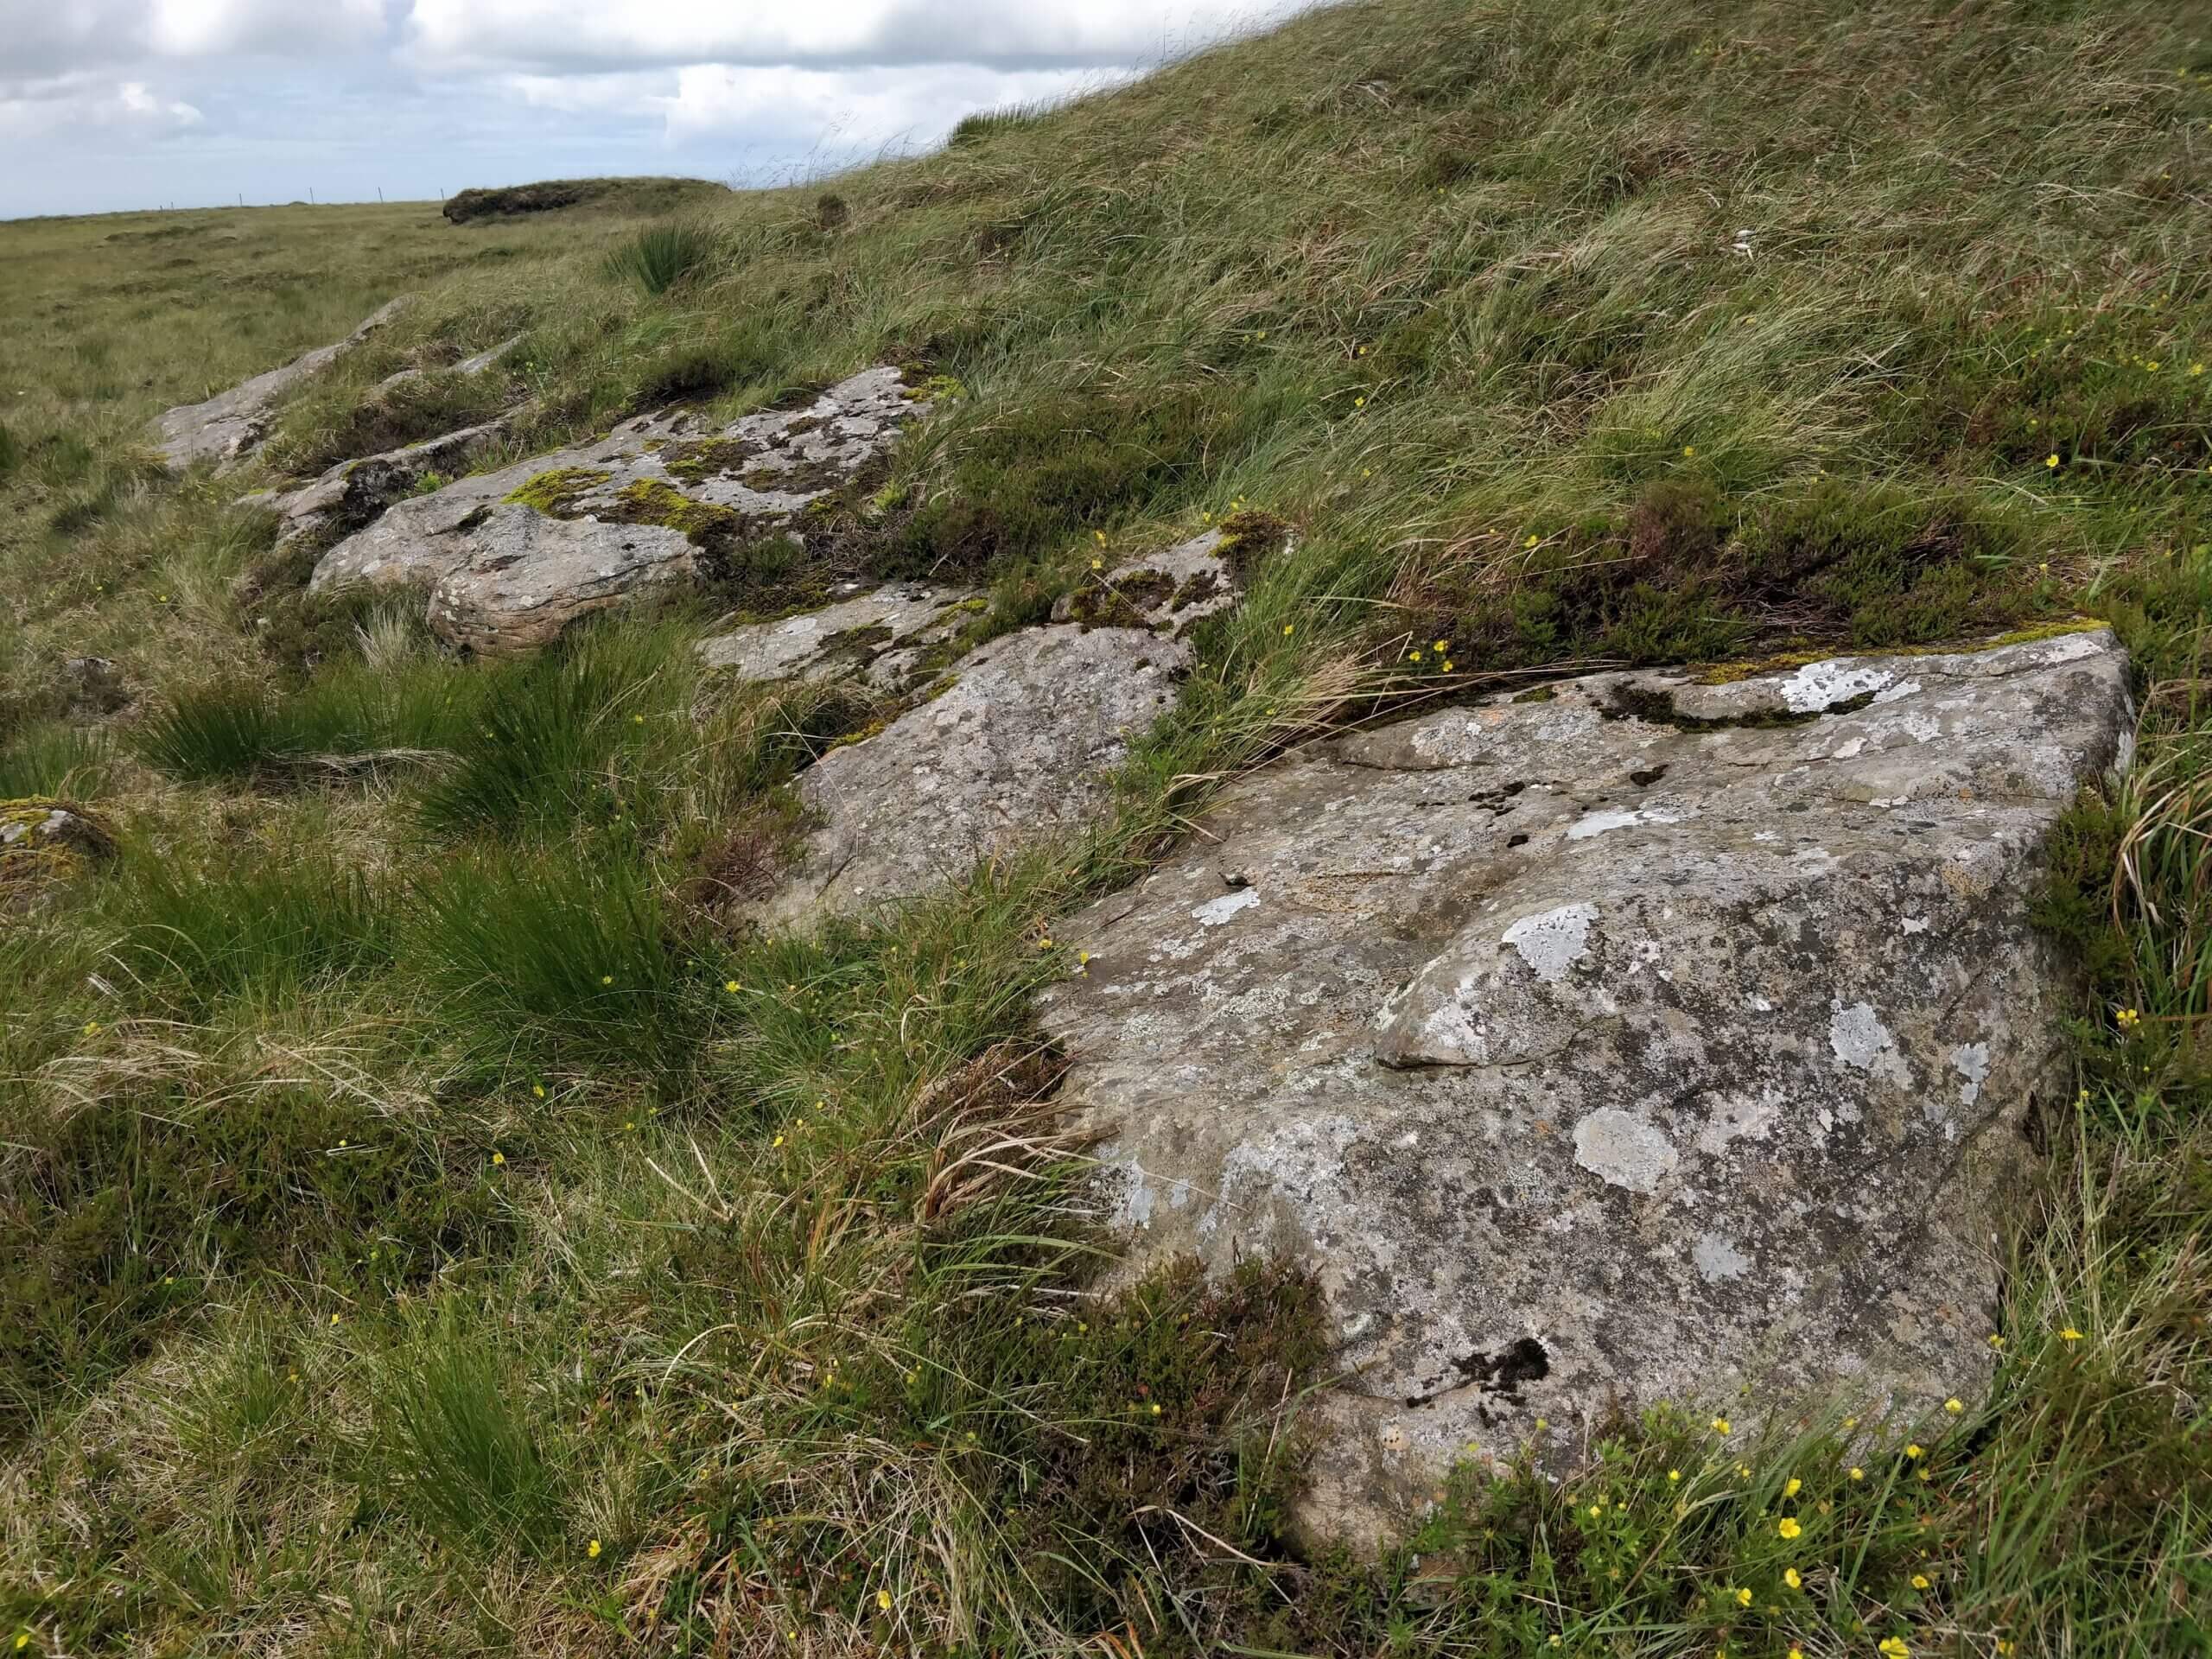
column 56, row 760
column 659, row 257
column 458, row 1450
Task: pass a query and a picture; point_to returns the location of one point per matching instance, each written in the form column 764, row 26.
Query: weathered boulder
column 509, row 558
column 1636, row 1040
column 1017, row 746
column 229, row 426
column 353, row 493
column 883, row 637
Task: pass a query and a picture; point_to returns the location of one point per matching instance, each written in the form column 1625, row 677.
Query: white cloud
column 855, row 110
column 1065, row 34
column 194, row 29
column 63, row 103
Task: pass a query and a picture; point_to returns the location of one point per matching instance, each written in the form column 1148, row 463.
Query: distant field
column 427, row 1228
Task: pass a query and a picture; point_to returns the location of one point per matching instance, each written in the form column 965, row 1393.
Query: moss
column 551, row 492
column 696, row 460
column 649, row 501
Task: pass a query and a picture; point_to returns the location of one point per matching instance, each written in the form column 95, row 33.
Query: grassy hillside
column 426, row 1227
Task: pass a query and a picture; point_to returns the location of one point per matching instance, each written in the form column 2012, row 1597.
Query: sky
column 108, row 104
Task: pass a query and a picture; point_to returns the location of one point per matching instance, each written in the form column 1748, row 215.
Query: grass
column 659, row 257
column 412, row 1174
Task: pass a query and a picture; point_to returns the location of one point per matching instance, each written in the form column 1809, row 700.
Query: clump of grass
column 194, row 934
column 565, row 956
column 359, row 719
column 56, row 761
column 659, row 257
column 456, row 1449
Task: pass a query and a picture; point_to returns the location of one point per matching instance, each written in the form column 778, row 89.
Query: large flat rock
column 509, row 558
column 1016, row 748
column 231, row 424
column 353, row 493
column 1630, row 1043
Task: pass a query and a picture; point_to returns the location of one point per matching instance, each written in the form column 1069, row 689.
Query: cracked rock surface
column 1632, row 1041
column 231, row 424
column 510, row 558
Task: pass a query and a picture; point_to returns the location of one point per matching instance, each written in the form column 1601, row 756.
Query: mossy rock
column 46, row 840
column 552, row 492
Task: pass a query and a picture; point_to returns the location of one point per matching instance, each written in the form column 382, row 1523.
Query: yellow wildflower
column 1789, row 1527
column 1912, row 1450
column 592, row 1549
column 1793, row 1487
column 1743, row 1598
column 498, row 1159
column 1954, row 1406
column 1893, row 1647
column 1793, row 1578
column 883, row 1599
column 1673, row 1474
column 2070, row 1334
column 2050, row 461
column 730, row 986
column 1920, row 1580
column 1857, row 1473
column 1721, row 1425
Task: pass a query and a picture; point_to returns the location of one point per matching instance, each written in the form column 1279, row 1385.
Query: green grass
column 411, row 1170
column 659, row 257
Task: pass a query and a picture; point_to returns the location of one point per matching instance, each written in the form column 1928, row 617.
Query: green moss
column 697, row 459
column 552, row 492
column 649, row 501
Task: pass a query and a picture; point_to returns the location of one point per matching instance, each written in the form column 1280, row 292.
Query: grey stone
column 353, row 493
column 882, row 637
column 1640, row 1042
column 230, row 425
column 1017, row 746
column 503, row 575
column 1171, row 589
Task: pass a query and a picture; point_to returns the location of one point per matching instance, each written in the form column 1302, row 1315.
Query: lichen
column 553, row 493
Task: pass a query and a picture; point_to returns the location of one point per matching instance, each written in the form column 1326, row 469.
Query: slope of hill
column 430, row 1223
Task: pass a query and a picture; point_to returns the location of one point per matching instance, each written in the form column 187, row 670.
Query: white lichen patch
column 1819, row 686
column 1718, row 1259
column 1625, row 1150
column 1971, row 1062
column 1597, row 823
column 1862, row 1042
column 1215, row 911
column 1551, row 943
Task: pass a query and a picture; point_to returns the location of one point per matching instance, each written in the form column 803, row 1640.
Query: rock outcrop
column 229, row 426
column 509, row 558
column 354, row 493
column 1008, row 743
column 1637, row 1039
column 1016, row 747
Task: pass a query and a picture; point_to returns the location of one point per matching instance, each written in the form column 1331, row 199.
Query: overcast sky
column 119, row 103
